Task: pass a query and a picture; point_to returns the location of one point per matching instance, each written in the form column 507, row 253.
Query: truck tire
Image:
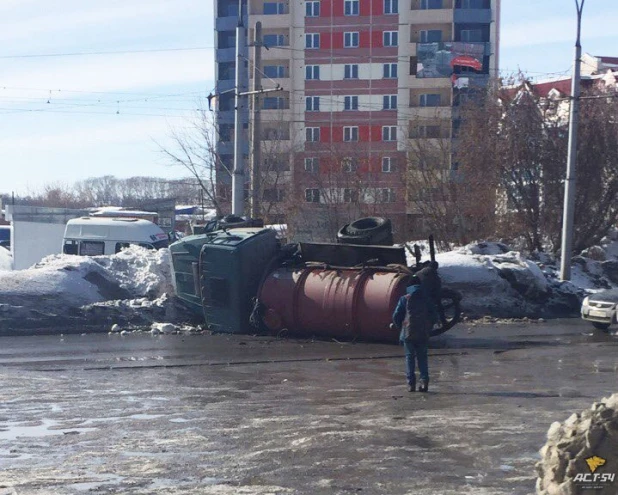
column 368, row 226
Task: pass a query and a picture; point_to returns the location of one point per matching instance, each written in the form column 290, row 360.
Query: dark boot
column 423, row 386
column 412, row 386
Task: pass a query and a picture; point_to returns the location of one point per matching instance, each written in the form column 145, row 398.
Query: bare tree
column 340, row 184
column 195, row 150
column 520, row 139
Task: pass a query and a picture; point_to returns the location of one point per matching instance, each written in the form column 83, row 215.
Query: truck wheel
column 450, row 311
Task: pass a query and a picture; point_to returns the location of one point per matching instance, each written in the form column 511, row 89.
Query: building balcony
column 226, row 23
column 225, row 55
column 472, row 16
column 281, row 21
column 225, row 85
column 417, row 112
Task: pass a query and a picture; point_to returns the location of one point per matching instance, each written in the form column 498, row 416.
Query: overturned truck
column 242, row 280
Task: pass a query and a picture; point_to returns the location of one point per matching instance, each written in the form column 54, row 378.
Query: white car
column 600, row 308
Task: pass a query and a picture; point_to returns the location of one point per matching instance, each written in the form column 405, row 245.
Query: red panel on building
column 337, row 41
column 326, row 8
column 326, row 40
column 365, row 39
column 376, row 133
column 337, row 134
column 337, row 8
column 377, row 7
column 376, row 38
column 364, row 133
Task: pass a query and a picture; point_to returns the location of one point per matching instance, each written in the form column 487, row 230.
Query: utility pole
column 569, row 183
column 238, row 175
column 256, row 149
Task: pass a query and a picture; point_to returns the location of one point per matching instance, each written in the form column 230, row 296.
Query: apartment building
column 361, row 81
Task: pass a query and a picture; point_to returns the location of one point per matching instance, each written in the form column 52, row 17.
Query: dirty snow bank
column 498, row 282
column 6, row 261
column 585, row 444
column 69, row 293
column 495, row 281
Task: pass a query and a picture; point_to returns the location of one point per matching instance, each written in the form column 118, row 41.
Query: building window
column 431, row 4
column 426, row 131
column 430, row 36
column 273, row 195
column 312, row 9
column 350, row 103
column 389, row 102
column 313, row 134
column 312, row 195
column 472, row 4
column 350, row 7
column 312, row 40
column 413, row 65
column 274, row 8
column 312, row 103
column 274, row 71
column 273, row 134
column 350, row 71
column 274, row 40
column 350, row 195
column 349, row 165
column 350, row 40
column 312, row 165
column 276, row 163
column 389, row 133
column 386, row 195
column 391, row 6
column 390, row 71
column 350, row 133
column 390, row 38
column 387, row 164
column 312, row 72
column 430, row 100
column 471, row 35
column 274, row 103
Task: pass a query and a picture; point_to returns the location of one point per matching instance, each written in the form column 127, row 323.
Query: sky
column 70, row 110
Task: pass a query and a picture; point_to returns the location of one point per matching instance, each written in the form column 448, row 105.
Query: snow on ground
column 134, row 287
column 6, row 261
column 495, row 281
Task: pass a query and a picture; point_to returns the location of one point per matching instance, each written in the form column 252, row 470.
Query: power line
column 110, row 52
column 47, row 90
column 76, row 112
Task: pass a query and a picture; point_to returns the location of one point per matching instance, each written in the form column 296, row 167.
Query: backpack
column 418, row 321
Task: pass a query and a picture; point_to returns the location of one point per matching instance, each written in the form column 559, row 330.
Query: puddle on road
column 14, row 431
column 14, row 456
column 91, row 486
column 146, row 416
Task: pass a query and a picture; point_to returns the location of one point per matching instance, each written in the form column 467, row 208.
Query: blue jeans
column 418, row 351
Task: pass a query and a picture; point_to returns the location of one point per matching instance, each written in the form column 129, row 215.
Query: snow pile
column 56, row 279
column 133, row 287
column 494, row 281
column 141, row 271
column 6, row 261
column 582, row 445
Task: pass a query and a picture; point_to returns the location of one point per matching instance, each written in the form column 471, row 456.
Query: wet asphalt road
column 204, row 414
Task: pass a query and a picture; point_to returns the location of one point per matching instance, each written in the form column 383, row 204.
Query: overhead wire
column 106, row 52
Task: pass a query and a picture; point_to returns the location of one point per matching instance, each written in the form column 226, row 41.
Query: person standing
column 414, row 317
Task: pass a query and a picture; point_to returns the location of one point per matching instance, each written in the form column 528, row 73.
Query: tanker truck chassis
column 241, row 280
